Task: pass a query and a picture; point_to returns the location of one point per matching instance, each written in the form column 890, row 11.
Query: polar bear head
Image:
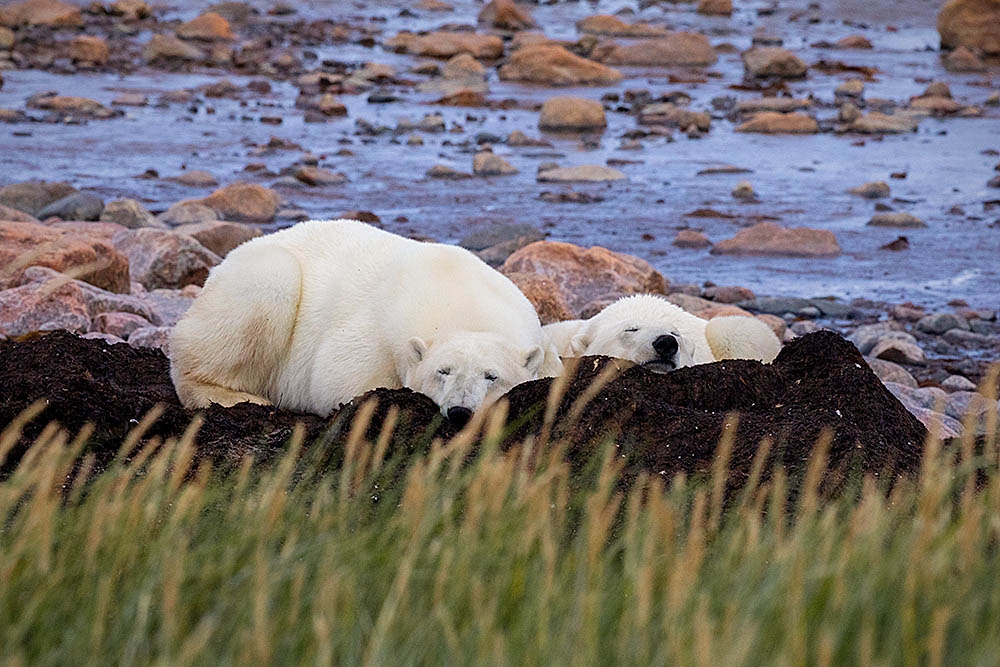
column 646, row 329
column 466, row 370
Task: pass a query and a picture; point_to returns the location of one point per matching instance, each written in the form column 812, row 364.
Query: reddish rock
column 526, row 38
column 317, row 176
column 39, row 306
column 119, row 324
column 96, row 299
column 974, row 24
column 243, row 202
column 880, row 123
column 939, row 106
column 130, row 100
column 937, row 89
column 463, row 66
column 715, row 7
column 129, row 213
column 583, row 173
column 448, row 44
column 130, row 9
column 485, row 163
column 519, row 138
column 329, row 105
column 364, row 216
column 208, row 27
column 13, row 215
column 689, row 238
column 40, row 12
column 32, row 196
column 898, row 351
column 160, row 258
column 556, row 66
column 963, row 60
column 545, row 295
column 102, row 231
column 605, row 24
column 187, row 212
column 85, row 48
column 585, row 274
column 155, row 337
column 770, row 239
column 169, row 305
column 69, row 104
column 168, row 47
column 772, row 122
column 899, row 220
column 773, row 61
column 675, row 49
column 434, row 6
column 219, row 236
column 195, row 178
column 666, row 113
column 444, row 171
column 729, row 294
column 782, row 104
column 853, row 42
column 873, row 190
column 504, row 14
column 463, row 98
column 571, row 114
column 90, row 258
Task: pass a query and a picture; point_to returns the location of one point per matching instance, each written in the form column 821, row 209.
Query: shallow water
column 800, row 180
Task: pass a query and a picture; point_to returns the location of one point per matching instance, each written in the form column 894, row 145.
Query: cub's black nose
column 459, row 416
column 665, row 346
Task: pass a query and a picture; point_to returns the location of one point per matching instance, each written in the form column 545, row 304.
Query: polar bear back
column 398, row 286
column 365, row 293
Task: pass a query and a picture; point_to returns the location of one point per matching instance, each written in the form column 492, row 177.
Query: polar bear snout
column 459, row 416
column 666, row 347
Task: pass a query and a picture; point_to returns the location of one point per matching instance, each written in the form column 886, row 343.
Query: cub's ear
column 533, row 359
column 578, row 344
column 416, row 349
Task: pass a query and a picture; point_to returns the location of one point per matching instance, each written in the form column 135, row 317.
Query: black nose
column 665, row 346
column 459, row 416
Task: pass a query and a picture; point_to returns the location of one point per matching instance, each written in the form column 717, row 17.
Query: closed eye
column 631, row 329
column 490, row 377
column 444, row 371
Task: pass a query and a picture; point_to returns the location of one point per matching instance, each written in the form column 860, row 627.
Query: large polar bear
column 661, row 336
column 311, row 316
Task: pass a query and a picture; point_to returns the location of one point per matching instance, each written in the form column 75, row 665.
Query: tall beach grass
column 491, row 558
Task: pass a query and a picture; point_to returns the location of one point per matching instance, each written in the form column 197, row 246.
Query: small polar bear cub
column 661, row 336
column 314, row 315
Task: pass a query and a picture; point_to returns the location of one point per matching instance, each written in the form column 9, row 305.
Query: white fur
column 741, row 337
column 627, row 328
column 311, row 316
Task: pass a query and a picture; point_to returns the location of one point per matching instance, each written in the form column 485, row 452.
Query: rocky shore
column 585, row 154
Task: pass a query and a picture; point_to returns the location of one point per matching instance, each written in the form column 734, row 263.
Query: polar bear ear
column 416, row 349
column 533, row 359
column 579, row 343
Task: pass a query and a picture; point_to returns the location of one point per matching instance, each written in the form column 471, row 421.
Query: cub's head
column 642, row 329
column 467, row 370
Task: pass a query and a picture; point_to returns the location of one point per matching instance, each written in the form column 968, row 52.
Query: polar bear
column 311, row 316
column 661, row 336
